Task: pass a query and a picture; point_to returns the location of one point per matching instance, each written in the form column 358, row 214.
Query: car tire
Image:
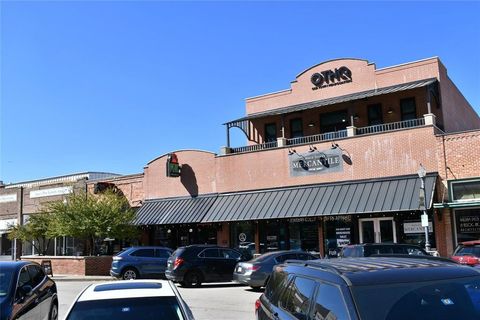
column 192, row 279
column 53, row 314
column 130, row 274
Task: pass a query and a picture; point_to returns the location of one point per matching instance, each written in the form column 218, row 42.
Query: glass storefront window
column 242, row 236
column 273, row 236
column 304, row 234
column 467, row 223
column 337, row 234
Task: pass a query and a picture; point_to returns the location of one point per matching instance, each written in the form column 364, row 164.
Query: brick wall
column 79, row 266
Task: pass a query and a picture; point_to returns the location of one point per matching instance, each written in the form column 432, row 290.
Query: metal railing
column 317, row 138
column 255, row 147
column 391, row 126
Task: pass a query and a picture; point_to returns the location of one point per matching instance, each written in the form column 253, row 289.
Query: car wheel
column 53, row 314
column 130, row 274
column 193, row 279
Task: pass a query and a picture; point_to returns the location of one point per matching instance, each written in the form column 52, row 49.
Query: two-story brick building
column 331, row 160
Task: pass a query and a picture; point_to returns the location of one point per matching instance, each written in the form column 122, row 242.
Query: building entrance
column 377, row 230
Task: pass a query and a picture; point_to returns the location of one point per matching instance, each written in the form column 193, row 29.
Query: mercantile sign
column 303, row 164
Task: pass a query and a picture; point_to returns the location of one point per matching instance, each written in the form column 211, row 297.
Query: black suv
column 192, row 265
column 368, row 249
column 374, row 288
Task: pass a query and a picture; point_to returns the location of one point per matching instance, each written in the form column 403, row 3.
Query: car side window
column 229, row 254
column 329, row 303
column 143, row 253
column 304, row 256
column 297, row 297
column 283, row 257
column 36, row 274
column 209, row 253
column 275, row 285
column 160, row 253
column 23, row 279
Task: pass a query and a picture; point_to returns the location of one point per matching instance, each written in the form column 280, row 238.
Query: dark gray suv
column 374, row 288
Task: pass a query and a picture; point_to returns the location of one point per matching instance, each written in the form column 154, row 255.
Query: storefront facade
column 331, row 161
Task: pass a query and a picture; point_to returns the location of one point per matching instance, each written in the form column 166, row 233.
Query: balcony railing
column 391, row 126
column 255, row 147
column 317, row 138
column 334, row 135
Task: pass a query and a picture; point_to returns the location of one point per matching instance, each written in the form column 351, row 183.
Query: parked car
column 468, row 253
column 140, row 262
column 130, row 300
column 256, row 272
column 26, row 292
column 368, row 249
column 195, row 264
column 384, row 288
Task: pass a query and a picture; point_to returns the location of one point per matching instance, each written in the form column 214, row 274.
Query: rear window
column 144, row 308
column 178, row 252
column 467, row 251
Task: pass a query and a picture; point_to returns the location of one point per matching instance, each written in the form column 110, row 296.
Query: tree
column 92, row 217
column 38, row 231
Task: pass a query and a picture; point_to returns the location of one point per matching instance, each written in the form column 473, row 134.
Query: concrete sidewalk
column 69, row 277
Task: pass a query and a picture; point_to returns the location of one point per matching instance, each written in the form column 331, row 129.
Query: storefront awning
column 340, row 99
column 354, row 197
column 174, row 210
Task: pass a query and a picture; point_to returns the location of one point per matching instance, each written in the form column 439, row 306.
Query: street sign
column 424, row 220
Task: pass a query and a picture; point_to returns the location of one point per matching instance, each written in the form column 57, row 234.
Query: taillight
column 257, row 305
column 252, row 267
column 177, row 263
column 472, row 261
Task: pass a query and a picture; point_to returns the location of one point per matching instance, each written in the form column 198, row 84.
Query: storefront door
column 376, row 230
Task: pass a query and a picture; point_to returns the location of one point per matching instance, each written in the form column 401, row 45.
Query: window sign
column 467, row 223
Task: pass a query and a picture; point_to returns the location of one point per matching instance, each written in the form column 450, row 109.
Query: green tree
column 93, row 217
column 38, row 231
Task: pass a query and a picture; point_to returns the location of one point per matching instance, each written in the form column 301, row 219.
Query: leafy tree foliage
column 38, row 231
column 89, row 217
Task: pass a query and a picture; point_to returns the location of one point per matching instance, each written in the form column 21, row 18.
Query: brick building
column 20, row 200
column 330, row 161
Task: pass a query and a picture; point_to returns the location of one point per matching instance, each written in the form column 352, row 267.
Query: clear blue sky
column 109, row 86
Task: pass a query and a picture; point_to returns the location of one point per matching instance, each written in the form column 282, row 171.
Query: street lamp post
column 421, row 174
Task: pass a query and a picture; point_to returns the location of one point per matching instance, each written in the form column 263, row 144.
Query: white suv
column 130, row 300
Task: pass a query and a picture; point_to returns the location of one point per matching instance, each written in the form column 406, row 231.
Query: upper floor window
column 333, row 121
column 375, row 114
column 270, row 132
column 296, row 128
column 408, row 109
column 466, row 190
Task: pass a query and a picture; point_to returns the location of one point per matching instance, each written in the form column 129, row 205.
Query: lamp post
column 421, row 202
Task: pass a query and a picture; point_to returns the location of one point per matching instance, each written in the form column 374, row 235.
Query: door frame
column 376, row 228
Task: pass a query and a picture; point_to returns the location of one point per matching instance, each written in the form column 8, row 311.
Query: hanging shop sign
column 416, row 227
column 330, row 78
column 173, row 167
column 304, row 164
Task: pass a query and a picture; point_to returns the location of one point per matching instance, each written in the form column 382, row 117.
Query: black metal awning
column 174, row 210
column 331, row 101
column 355, row 197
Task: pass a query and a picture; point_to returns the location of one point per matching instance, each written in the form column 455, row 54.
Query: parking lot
column 210, row 301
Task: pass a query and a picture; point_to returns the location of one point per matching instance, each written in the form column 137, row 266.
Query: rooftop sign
column 329, row 78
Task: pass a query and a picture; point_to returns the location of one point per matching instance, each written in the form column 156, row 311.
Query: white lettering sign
column 416, row 227
column 8, row 198
column 50, row 192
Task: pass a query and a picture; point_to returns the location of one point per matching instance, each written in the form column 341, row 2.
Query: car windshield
column 5, row 281
column 435, row 300
column 468, row 251
column 144, row 308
